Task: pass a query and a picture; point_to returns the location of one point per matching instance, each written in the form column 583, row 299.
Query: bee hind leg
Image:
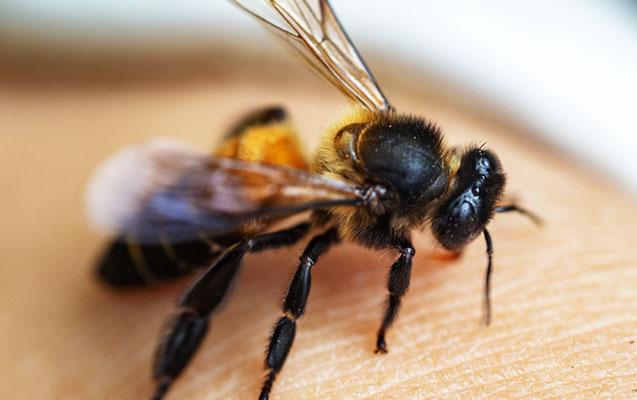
column 294, row 308
column 188, row 328
column 397, row 284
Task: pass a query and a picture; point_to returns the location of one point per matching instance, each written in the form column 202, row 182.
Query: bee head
column 469, row 206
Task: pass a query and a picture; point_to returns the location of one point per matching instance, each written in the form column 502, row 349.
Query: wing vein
column 321, row 41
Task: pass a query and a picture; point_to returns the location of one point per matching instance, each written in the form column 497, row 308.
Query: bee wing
column 162, row 190
column 313, row 30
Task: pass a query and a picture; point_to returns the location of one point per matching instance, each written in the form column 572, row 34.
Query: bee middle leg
column 294, row 308
column 397, row 284
column 189, row 326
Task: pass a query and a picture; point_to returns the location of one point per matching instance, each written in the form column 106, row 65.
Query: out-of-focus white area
column 567, row 69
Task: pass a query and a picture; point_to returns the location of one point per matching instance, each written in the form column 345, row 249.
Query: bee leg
column 189, row 327
column 397, row 284
column 293, row 308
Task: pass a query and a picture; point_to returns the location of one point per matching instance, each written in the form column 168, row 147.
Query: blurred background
column 563, row 71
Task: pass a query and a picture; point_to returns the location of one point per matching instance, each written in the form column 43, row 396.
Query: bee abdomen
column 126, row 263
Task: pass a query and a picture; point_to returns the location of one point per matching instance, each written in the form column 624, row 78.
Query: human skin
column 564, row 294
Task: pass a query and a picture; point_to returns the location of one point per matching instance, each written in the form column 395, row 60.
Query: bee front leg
column 294, row 308
column 190, row 325
column 397, row 284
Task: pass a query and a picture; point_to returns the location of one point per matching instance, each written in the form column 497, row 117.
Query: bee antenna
column 514, row 207
column 487, row 280
column 161, row 389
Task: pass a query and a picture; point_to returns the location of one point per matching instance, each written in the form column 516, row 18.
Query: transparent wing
column 163, row 190
column 312, row 29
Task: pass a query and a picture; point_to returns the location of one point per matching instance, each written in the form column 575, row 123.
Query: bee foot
column 381, row 346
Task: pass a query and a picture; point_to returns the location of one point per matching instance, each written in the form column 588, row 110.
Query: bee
column 376, row 177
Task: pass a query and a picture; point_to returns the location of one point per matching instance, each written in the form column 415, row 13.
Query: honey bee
column 376, row 177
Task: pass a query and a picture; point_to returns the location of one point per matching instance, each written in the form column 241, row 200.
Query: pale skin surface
column 564, row 295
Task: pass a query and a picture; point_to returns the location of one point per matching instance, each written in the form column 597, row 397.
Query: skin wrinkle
column 560, row 395
column 521, row 362
column 567, row 371
column 544, row 367
column 479, row 385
